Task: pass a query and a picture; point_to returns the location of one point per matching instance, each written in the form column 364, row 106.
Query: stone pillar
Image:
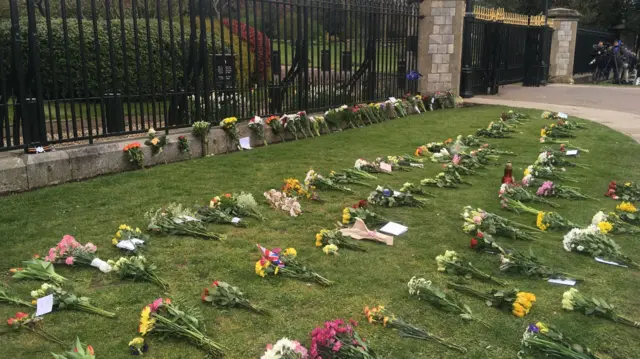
column 563, row 44
column 440, row 45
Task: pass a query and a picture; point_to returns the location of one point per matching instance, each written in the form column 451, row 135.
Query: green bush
column 148, row 80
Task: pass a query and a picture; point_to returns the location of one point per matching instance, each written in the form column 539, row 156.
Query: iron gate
column 501, row 48
column 74, row 71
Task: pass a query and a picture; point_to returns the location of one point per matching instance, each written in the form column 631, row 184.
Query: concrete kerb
column 624, row 122
column 21, row 172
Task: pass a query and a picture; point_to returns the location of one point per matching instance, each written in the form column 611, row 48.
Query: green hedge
column 70, row 83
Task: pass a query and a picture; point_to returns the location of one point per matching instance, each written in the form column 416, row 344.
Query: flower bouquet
column 279, row 200
column 276, row 126
column 156, row 143
column 516, row 117
column 229, row 126
column 335, row 237
column 318, row 123
column 201, row 129
column 386, row 197
column 360, row 210
column 512, row 261
column 550, row 115
column 336, row 339
column 134, row 154
column 224, row 295
column 574, row 300
column 411, row 188
column 443, row 156
column 563, row 144
column 288, row 265
column 629, row 192
column 239, row 205
column 345, row 178
column 363, row 112
column 313, row 180
column 442, row 180
column 549, row 189
column 546, row 173
column 137, row 346
column 256, row 125
column 495, row 130
column 555, row 131
column 482, row 242
column 32, row 323
column 541, row 340
column 365, row 166
column 69, row 251
column 209, row 214
column 285, row 349
column 289, row 122
column 455, row 166
column 424, row 290
column 406, row 330
column 305, row 123
column 612, row 223
column 128, row 238
column 530, row 181
column 36, row 268
column 450, row 262
column 553, row 221
column 180, row 221
column 183, row 145
column 592, row 242
column 293, row 188
column 517, row 302
column 628, row 213
column 6, row 298
column 333, row 119
column 520, row 194
column 166, row 318
column 394, row 162
column 478, row 220
column 66, row 300
column 137, row 268
column 78, row 351
column 554, row 158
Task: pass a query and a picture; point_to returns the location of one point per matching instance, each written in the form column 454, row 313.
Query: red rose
column 354, row 206
column 480, row 235
column 21, row 315
column 10, row 321
column 474, row 243
column 215, row 283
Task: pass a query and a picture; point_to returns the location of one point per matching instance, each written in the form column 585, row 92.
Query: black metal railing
column 585, row 39
column 75, row 71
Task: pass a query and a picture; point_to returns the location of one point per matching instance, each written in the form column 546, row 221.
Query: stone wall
column 440, row 45
column 563, row 44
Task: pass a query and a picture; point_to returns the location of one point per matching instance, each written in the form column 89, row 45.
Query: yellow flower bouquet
column 229, row 126
column 517, row 302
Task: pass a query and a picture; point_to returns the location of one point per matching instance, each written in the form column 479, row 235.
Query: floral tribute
column 79, row 351
column 451, row 263
column 629, row 191
column 178, row 220
column 479, row 220
column 591, row 241
column 337, row 339
column 240, row 205
column 573, row 300
column 224, row 295
column 67, row 300
column 134, row 154
column 32, row 323
column 285, row 349
column 361, row 210
column 256, row 125
column 387, row 197
column 276, row 126
column 128, row 238
column 517, row 302
column 168, row 319
column 287, row 265
column 380, row 315
column 336, row 238
column 137, row 268
column 156, row 143
column 230, row 128
column 9, row 299
column 613, row 223
column 70, row 252
column 549, row 189
column 36, row 268
column 543, row 340
column 280, row 200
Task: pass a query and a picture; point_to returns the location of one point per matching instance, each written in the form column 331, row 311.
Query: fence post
column 440, row 45
column 563, row 44
column 466, row 82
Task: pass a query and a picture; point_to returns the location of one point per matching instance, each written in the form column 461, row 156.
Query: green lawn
column 92, row 210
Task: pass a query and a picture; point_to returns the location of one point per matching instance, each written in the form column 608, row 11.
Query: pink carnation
column 90, row 247
column 69, row 261
column 337, row 346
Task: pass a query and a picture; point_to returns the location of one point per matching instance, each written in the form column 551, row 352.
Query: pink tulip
column 69, row 261
column 477, row 220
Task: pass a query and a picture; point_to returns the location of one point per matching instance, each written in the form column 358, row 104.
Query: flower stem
column 95, row 310
column 47, row 336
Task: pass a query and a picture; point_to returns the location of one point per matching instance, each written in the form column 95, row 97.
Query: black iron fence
column 74, row 71
column 497, row 52
column 585, row 39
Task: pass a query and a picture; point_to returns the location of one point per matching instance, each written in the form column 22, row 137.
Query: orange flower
column 21, row 315
column 167, row 301
column 228, row 195
column 90, row 349
column 36, row 256
column 13, row 270
column 10, row 321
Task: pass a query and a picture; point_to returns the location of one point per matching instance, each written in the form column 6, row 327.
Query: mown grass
column 92, row 210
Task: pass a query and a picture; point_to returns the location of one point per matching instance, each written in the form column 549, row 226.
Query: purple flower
column 533, row 328
column 386, row 193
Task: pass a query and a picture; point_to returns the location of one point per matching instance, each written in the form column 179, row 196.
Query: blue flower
column 386, row 193
column 533, row 328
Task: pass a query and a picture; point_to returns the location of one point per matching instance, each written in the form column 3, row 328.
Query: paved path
column 615, row 107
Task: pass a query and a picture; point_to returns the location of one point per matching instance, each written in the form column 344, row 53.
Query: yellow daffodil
column 628, row 184
column 605, row 227
column 627, row 207
column 275, row 272
column 543, row 132
column 118, row 234
column 542, row 327
column 122, row 226
column 290, row 252
column 114, row 241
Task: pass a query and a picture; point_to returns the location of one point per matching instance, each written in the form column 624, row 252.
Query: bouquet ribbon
column 360, row 231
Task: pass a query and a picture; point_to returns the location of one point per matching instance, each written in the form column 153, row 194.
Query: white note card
column 571, row 153
column 393, row 99
column 563, row 115
column 44, row 305
column 570, row 282
column 130, row 244
column 236, row 220
column 394, row 228
column 397, row 193
column 245, row 142
column 385, row 167
column 419, row 165
column 610, row 262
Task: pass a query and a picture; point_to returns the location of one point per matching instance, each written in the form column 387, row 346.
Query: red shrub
column 255, row 39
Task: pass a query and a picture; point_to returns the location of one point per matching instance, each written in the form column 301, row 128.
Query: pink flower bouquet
column 336, row 339
column 285, row 349
column 70, row 252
